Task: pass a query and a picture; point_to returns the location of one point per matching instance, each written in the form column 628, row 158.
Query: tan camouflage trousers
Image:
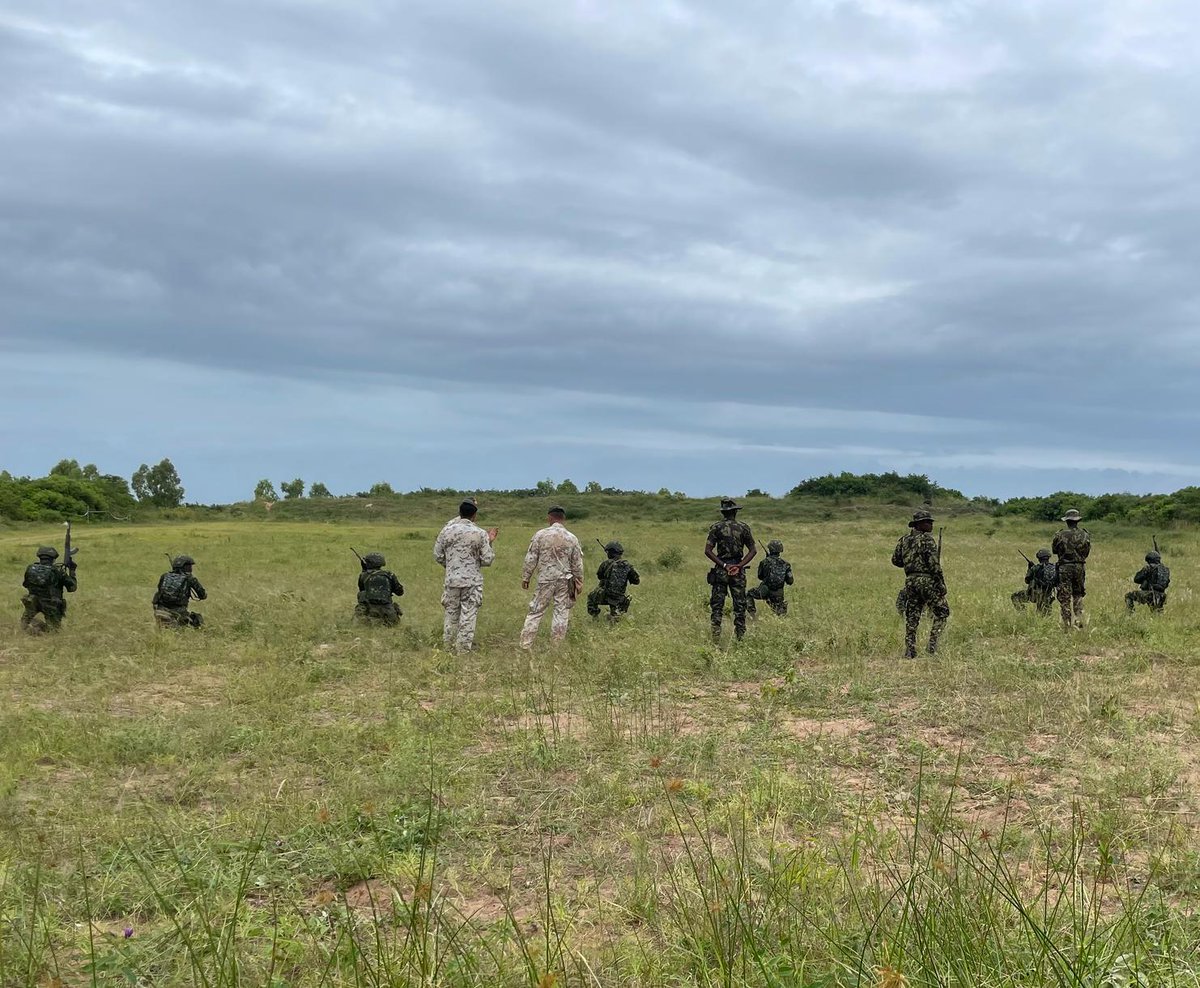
column 923, row 593
column 462, row 610
column 556, row 594
column 1070, row 593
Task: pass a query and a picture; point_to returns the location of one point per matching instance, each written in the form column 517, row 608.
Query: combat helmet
column 47, row 552
column 182, row 562
column 774, row 547
column 1154, row 556
column 614, row 548
column 374, row 560
column 1043, row 554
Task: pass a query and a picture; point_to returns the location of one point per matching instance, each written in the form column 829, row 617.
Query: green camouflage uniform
column 730, row 540
column 1041, row 579
column 924, row 587
column 170, row 601
column 1153, row 579
column 614, row 576
column 774, row 573
column 44, row 584
column 375, row 590
column 1072, row 546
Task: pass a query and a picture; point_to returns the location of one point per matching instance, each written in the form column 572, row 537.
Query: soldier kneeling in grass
column 774, row 573
column 1152, row 580
column 176, row 590
column 376, row 587
column 615, row 575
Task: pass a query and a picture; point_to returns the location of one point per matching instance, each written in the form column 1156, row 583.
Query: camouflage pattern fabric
column 168, row 597
column 730, row 540
column 556, row 594
column 1153, row 580
column 1072, row 545
column 924, row 588
column 176, row 617
column 554, row 554
column 1043, row 600
column 462, row 611
column 373, row 586
column 462, row 547
column 1070, row 592
column 774, row 573
column 1154, row 599
column 45, row 584
column 614, row 576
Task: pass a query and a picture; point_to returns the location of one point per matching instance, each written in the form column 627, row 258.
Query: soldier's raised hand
column 492, row 533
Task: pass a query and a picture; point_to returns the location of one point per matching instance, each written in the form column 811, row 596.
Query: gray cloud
column 820, row 218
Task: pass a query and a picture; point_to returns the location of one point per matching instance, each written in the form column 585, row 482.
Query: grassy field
column 288, row 798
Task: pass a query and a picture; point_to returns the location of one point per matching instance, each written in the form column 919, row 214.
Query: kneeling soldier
column 774, row 573
column 1041, row 580
column 614, row 574
column 376, row 587
column 1153, row 578
column 175, row 590
column 44, row 584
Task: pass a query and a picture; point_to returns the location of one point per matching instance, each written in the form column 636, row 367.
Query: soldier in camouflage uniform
column 376, row 586
column 924, row 585
column 1153, row 580
column 615, row 575
column 1072, row 545
column 463, row 548
column 555, row 556
column 774, row 573
column 175, row 591
column 730, row 546
column 1041, row 579
column 44, row 584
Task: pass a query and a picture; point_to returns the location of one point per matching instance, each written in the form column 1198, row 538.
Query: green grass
column 288, row 798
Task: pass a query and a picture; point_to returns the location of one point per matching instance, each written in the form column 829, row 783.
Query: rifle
column 602, row 546
column 69, row 562
column 1154, row 539
column 940, row 530
column 1027, row 559
column 360, row 558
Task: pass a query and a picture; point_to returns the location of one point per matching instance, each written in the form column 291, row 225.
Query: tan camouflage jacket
column 554, row 553
column 463, row 548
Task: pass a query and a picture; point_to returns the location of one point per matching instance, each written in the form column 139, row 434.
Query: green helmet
column 1154, row 556
column 374, row 560
column 614, row 548
column 182, row 562
column 1043, row 554
column 774, row 547
column 47, row 552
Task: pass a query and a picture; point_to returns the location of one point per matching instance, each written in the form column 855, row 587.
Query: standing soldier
column 924, row 585
column 463, row 548
column 1153, row 580
column 774, row 573
column 555, row 556
column 615, row 574
column 728, row 539
column 1041, row 578
column 376, row 586
column 175, row 591
column 44, row 584
column 1072, row 545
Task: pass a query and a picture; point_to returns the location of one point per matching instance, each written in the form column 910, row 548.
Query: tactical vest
column 775, row 572
column 377, row 587
column 40, row 578
column 1158, row 578
column 618, row 578
column 173, row 590
column 1045, row 576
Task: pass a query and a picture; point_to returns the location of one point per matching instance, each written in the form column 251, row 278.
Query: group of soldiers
column 555, row 560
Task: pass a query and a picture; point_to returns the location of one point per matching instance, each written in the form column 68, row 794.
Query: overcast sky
column 693, row 244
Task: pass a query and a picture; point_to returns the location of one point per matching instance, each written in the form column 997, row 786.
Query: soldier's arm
column 1057, row 546
column 397, row 586
column 788, row 578
column 198, row 589
column 709, row 546
column 362, row 579
column 751, row 545
column 531, row 560
column 439, row 549
column 69, row 583
column 1141, row 575
column 762, row 569
column 602, row 569
column 898, row 554
column 576, row 560
column 633, row 576
column 487, row 555
column 1085, row 549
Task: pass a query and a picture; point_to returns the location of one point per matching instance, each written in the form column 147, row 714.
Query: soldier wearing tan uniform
column 555, row 556
column 463, row 548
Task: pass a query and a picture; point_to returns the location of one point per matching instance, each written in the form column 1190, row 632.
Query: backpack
column 618, row 578
column 1045, row 576
column 39, row 578
column 377, row 587
column 174, row 590
column 774, row 572
column 1160, row 578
